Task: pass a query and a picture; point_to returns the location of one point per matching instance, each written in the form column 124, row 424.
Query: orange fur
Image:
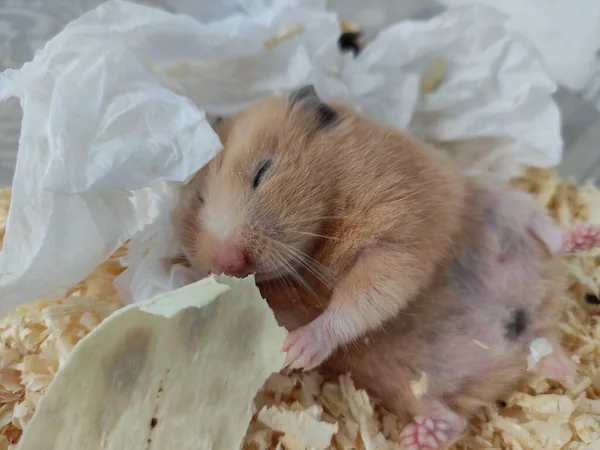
column 441, row 333
column 374, row 207
column 357, row 231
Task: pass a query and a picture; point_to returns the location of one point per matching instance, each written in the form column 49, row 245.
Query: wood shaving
column 309, row 410
column 36, row 340
column 302, row 429
column 433, row 76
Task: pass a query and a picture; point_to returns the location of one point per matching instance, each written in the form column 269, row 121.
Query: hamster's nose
column 230, row 259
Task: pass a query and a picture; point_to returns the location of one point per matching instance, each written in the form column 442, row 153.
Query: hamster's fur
column 470, row 331
column 380, row 257
column 315, row 194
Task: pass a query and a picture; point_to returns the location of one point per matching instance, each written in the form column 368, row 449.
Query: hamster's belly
column 481, row 320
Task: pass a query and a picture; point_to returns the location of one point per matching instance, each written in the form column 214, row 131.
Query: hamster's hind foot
column 433, row 433
column 580, row 237
column 425, row 434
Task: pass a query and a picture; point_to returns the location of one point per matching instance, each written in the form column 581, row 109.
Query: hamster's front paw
column 309, row 346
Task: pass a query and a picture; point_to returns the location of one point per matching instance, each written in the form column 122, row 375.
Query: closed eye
column 199, row 198
column 261, row 172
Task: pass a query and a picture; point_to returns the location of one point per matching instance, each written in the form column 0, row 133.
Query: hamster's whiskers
column 319, row 218
column 313, row 267
column 291, row 270
column 306, row 233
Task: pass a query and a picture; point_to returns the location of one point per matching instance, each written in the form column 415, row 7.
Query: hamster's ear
column 306, row 96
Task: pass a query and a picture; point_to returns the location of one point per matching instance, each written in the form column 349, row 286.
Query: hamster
column 381, row 258
column 317, row 195
column 471, row 330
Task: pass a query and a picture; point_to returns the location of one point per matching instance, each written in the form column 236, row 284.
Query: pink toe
column 431, row 442
column 409, row 440
column 289, row 341
column 409, row 429
column 294, row 354
column 443, row 425
column 426, row 433
column 429, row 424
column 441, row 436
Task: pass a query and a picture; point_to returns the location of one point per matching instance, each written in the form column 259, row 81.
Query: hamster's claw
column 426, row 434
column 308, row 346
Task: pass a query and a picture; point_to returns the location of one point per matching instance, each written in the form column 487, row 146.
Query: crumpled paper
column 568, row 38
column 115, row 119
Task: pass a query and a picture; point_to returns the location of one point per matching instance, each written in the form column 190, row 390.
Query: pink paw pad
column 426, row 434
column 583, row 236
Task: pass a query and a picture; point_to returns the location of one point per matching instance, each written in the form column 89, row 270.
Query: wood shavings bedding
column 307, row 410
column 37, row 338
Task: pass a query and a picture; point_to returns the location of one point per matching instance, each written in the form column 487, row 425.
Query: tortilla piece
column 179, row 371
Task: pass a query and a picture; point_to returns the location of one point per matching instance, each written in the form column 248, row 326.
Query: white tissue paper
column 567, row 37
column 114, row 118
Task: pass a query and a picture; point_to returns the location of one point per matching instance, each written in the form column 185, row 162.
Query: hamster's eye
column 199, row 198
column 261, row 173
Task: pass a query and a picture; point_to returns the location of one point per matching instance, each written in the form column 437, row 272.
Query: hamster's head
column 262, row 204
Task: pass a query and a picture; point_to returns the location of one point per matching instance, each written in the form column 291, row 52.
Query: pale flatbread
column 177, row 372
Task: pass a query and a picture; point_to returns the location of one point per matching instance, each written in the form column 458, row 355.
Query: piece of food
column 178, row 371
